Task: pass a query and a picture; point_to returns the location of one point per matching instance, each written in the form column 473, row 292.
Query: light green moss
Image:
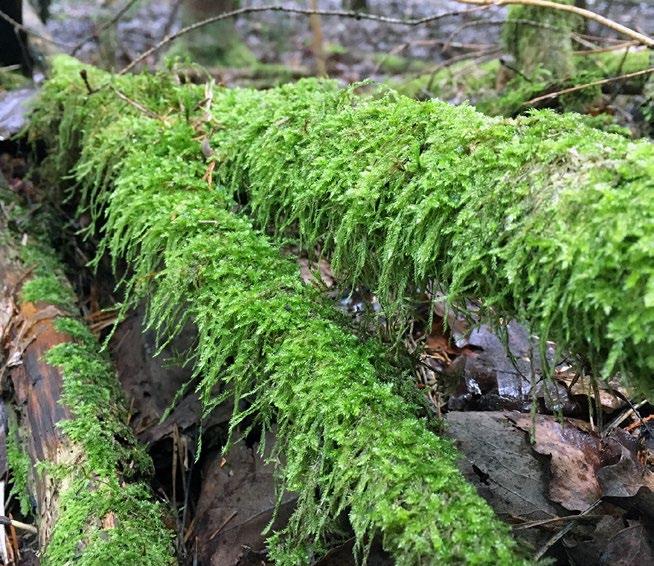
column 19, row 465
column 11, row 80
column 540, row 218
column 47, row 289
column 348, row 441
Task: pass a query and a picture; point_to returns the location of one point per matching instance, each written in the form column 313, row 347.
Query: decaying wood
column 28, row 332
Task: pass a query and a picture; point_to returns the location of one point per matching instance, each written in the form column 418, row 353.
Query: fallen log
column 347, row 443
column 74, row 452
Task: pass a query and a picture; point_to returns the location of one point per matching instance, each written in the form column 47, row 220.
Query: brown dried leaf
column 575, row 459
column 626, row 477
column 583, row 466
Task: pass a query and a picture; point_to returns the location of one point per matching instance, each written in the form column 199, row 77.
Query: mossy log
column 541, row 218
column 348, row 441
column 71, row 453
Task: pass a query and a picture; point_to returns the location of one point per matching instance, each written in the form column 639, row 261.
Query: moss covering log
column 541, row 218
column 349, row 443
column 71, row 448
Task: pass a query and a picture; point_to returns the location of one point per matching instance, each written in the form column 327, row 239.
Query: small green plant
column 19, row 464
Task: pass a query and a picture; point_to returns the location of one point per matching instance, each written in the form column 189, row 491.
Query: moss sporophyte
column 542, row 217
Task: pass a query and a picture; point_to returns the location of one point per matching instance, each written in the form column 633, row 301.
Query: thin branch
column 104, row 26
column 587, row 14
column 619, row 46
column 18, row 525
column 559, row 535
column 30, row 31
column 301, row 11
column 149, row 113
column 588, row 85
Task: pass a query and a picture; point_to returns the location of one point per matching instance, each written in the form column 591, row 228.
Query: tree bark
column 217, row 43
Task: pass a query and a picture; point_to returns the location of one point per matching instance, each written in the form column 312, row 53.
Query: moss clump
column 47, row 289
column 403, row 195
column 11, row 80
column 347, row 440
column 462, row 81
column 540, row 39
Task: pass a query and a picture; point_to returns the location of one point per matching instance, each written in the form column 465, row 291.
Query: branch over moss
column 348, row 441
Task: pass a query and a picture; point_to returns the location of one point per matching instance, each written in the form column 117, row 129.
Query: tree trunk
column 217, row 43
column 13, row 42
column 539, row 40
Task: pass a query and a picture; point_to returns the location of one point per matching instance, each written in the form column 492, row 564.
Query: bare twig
column 149, row 113
column 172, row 17
column 587, row 14
column 617, row 47
column 301, row 11
column 588, row 85
column 532, row 524
column 30, row 31
column 104, row 26
column 559, row 535
column 3, row 534
column 18, row 525
column 222, row 526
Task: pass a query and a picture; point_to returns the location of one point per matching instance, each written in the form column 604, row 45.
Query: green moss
column 101, row 516
column 19, row 465
column 75, row 329
column 11, row 80
column 462, row 81
column 393, row 63
column 349, row 443
column 541, row 218
column 47, row 289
